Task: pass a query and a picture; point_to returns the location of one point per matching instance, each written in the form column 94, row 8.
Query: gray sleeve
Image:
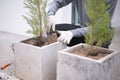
column 79, row 31
column 56, row 4
column 113, row 4
column 82, row 31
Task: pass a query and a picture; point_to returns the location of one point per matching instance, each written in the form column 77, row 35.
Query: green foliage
column 36, row 16
column 98, row 30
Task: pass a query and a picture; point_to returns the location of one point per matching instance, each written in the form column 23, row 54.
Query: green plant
column 36, row 17
column 99, row 27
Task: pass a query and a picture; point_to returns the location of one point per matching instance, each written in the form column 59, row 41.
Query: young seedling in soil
column 37, row 18
column 99, row 31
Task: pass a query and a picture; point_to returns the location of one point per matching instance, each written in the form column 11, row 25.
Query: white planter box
column 36, row 63
column 74, row 67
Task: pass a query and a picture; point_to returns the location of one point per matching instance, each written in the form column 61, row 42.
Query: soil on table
column 34, row 41
column 83, row 51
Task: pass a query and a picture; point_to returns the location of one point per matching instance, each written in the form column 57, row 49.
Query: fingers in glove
column 63, row 40
column 68, row 42
column 65, row 36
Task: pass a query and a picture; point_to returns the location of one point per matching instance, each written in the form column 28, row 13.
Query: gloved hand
column 51, row 17
column 51, row 24
column 65, row 36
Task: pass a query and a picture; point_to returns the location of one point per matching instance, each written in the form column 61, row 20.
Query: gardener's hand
column 65, row 36
column 51, row 24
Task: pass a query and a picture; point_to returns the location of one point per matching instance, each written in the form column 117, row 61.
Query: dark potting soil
column 83, row 51
column 34, row 41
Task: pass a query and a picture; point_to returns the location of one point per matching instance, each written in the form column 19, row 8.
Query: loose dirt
column 83, row 51
column 34, row 41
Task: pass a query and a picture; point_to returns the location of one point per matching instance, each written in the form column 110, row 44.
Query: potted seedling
column 90, row 61
column 35, row 58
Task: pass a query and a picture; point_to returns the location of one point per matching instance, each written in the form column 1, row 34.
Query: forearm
column 79, row 31
column 56, row 4
column 84, row 30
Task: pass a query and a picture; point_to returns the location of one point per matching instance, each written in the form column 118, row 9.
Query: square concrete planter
column 74, row 67
column 36, row 63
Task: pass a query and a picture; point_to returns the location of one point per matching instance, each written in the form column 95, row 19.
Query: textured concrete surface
column 74, row 67
column 7, row 55
column 6, row 41
column 5, row 76
column 36, row 63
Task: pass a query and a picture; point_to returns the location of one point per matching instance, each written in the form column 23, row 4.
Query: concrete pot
column 36, row 63
column 74, row 67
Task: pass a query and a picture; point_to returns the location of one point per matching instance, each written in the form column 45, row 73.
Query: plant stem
column 40, row 17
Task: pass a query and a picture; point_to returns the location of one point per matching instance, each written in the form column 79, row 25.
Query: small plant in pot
column 37, row 62
column 37, row 18
column 90, row 61
column 99, row 31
